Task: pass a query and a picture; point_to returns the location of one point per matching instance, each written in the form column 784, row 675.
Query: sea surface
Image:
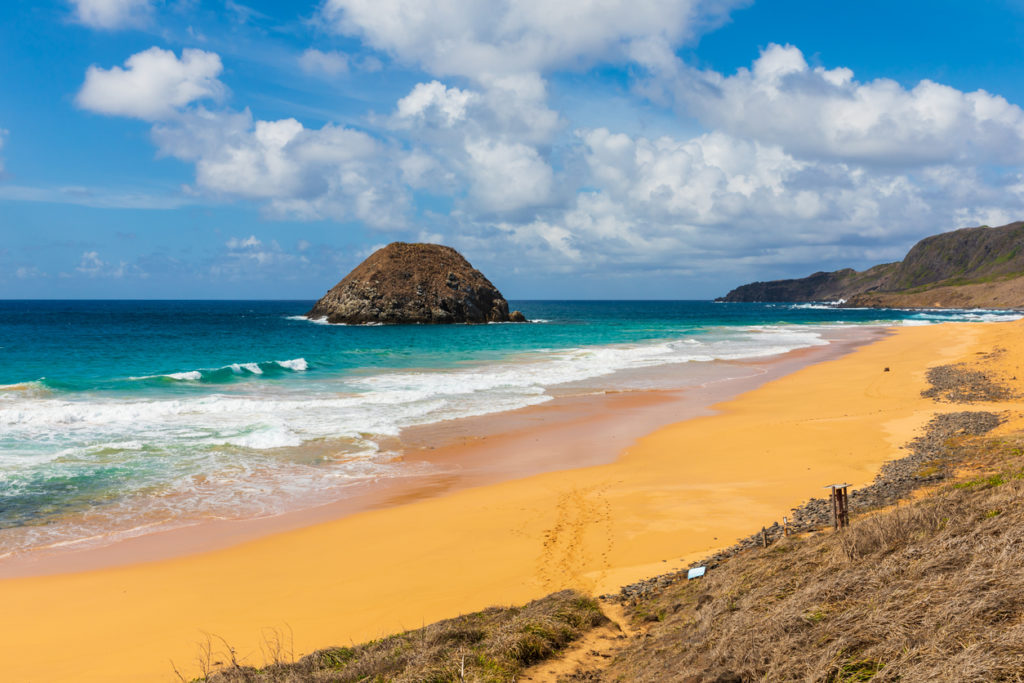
column 122, row 417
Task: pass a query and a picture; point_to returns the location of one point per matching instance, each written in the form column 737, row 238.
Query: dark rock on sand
column 959, row 384
column 414, row 283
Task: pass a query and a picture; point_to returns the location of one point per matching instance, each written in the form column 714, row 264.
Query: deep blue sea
column 119, row 416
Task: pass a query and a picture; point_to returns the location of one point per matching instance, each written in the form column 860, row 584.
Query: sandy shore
column 677, row 493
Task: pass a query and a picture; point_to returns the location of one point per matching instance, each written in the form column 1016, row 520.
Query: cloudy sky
column 571, row 149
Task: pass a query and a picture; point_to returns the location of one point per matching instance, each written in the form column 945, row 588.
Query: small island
column 409, row 283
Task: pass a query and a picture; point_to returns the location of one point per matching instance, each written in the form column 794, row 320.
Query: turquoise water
column 118, row 416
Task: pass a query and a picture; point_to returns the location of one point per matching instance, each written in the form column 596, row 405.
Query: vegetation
column 492, row 645
column 927, row 591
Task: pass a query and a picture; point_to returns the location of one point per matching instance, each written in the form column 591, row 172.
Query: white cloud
column 28, row 273
column 100, row 197
column 331, row 172
column 827, row 114
column 494, row 141
column 90, row 264
column 716, row 204
column 154, row 84
column 112, row 14
column 246, row 254
column 505, row 37
column 318, row 63
column 447, row 106
column 506, row 177
column 243, row 243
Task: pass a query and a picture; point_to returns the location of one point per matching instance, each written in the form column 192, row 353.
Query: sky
column 580, row 149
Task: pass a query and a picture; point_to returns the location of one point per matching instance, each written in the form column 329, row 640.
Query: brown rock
column 413, row 283
column 516, row 317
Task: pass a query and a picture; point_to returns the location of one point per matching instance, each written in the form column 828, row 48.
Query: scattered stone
column 958, row 384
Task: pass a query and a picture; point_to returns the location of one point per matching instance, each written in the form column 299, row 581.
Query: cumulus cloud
column 828, row 114
column 446, row 106
column 493, row 140
column 716, row 204
column 505, row 177
column 506, row 37
column 154, row 85
column 330, row 172
column 91, row 264
column 112, row 14
column 243, row 243
column 249, row 255
column 319, row 63
column 28, row 273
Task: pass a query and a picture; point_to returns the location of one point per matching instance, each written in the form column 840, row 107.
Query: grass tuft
column 491, row 646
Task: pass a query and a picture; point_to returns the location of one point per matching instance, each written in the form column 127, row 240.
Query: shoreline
column 676, row 494
column 570, row 431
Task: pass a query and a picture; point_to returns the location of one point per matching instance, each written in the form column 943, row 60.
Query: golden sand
column 677, row 493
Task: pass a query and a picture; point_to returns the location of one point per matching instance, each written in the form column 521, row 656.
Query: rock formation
column 966, row 268
column 414, row 283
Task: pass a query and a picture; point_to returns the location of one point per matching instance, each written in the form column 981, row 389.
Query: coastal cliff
column 414, row 283
column 966, row 268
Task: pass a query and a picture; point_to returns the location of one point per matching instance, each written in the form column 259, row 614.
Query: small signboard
column 695, row 573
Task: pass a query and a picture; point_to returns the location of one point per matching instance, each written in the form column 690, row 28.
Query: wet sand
column 487, row 532
column 580, row 427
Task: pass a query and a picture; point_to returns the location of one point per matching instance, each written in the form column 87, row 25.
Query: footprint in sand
column 580, row 540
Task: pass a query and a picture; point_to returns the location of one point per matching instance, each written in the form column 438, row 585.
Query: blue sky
column 643, row 149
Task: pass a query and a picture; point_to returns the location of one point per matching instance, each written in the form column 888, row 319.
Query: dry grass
column 492, row 645
column 928, row 591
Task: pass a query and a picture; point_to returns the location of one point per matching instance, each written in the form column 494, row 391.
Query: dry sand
column 676, row 494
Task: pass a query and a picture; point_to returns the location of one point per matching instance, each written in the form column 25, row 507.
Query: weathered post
column 840, row 505
column 835, row 509
column 785, row 527
column 764, row 537
column 844, row 518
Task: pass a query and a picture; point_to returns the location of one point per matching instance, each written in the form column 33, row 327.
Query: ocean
column 122, row 417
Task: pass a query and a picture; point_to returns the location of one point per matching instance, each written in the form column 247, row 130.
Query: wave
column 315, row 321
column 227, row 372
column 237, row 444
column 818, row 305
column 20, row 390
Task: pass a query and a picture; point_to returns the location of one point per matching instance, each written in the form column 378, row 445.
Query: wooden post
column 845, row 517
column 764, row 537
column 835, row 510
column 840, row 505
column 785, row 527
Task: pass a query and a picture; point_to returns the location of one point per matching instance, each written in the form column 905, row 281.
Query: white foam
column 296, row 364
column 190, row 376
column 219, row 451
column 318, row 321
column 241, row 368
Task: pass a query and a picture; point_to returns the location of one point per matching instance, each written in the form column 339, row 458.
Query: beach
column 667, row 497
